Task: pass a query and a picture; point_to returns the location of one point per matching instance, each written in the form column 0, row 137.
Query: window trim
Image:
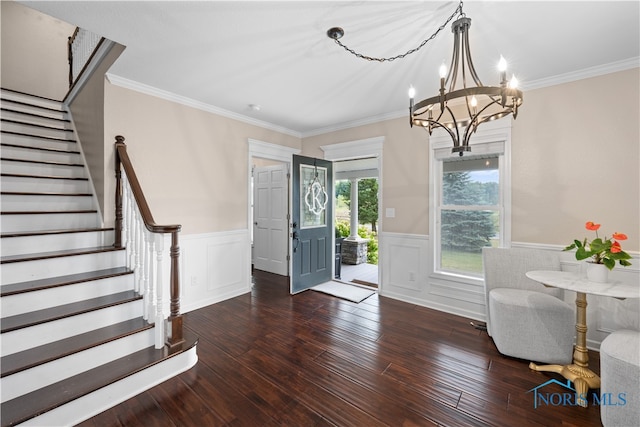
column 492, row 138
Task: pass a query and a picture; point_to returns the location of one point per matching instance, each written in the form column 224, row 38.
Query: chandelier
column 459, row 111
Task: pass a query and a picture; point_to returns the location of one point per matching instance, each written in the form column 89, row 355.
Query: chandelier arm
column 335, row 36
column 455, row 60
column 467, row 53
column 449, row 131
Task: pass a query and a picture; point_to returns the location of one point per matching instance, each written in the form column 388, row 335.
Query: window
column 470, row 201
column 469, row 213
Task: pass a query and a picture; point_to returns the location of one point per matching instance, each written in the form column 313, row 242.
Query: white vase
column 597, row 272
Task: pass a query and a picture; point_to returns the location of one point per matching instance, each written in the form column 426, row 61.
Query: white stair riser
column 41, row 169
column 36, row 130
column 39, row 300
column 28, row 141
column 39, row 203
column 16, row 272
column 46, row 185
column 35, row 110
column 35, row 100
column 40, row 155
column 35, row 118
column 55, row 242
column 34, row 336
column 43, row 375
column 94, row 403
column 18, row 223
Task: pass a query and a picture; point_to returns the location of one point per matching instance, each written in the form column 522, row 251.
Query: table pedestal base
column 582, row 378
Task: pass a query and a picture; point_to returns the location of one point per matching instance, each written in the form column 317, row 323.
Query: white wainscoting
column 214, row 267
column 406, row 266
column 406, row 263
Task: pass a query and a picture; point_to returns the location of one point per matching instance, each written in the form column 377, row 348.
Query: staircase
column 73, row 338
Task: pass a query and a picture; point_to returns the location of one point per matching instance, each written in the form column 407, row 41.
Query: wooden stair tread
column 9, row 110
column 23, row 360
column 52, row 150
column 45, row 399
column 28, row 104
column 19, row 175
column 50, row 232
column 54, row 282
column 19, row 321
column 29, row 135
column 57, row 254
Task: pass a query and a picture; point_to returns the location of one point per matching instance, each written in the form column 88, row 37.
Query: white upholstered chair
column 526, row 319
column 620, row 379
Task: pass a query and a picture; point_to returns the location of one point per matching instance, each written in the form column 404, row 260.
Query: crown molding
column 189, row 102
column 586, row 73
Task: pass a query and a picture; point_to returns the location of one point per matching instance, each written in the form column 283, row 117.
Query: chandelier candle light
column 479, row 103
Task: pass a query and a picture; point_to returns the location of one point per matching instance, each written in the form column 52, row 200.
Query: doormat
column 344, row 291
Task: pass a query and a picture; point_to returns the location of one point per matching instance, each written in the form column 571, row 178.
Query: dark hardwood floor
column 270, row 359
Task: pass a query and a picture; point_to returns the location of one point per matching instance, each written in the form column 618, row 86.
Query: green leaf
column 582, row 253
column 609, row 263
column 568, row 248
column 597, row 245
column 624, row 263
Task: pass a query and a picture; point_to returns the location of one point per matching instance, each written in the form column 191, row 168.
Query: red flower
column 615, row 248
column 619, row 236
column 592, row 226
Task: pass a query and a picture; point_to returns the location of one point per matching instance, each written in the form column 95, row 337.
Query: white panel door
column 270, row 225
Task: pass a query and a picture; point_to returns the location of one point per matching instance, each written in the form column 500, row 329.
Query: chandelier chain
column 456, row 12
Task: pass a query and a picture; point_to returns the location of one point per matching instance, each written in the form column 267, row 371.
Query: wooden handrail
column 122, row 161
column 70, row 41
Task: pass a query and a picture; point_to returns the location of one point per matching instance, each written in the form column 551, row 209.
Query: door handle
column 296, row 240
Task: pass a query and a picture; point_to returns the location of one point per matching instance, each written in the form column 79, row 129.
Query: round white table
column 578, row 372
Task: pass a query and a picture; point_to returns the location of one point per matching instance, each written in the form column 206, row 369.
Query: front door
column 270, row 231
column 311, row 222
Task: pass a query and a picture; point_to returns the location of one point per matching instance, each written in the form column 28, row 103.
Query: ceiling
column 277, row 55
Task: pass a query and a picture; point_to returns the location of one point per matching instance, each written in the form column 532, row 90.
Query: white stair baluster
column 160, row 323
column 148, row 286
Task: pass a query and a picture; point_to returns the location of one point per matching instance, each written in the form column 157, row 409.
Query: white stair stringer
column 45, row 333
column 43, row 375
column 92, row 404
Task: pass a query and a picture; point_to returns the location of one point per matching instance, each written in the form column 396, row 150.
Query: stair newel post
column 175, row 318
column 118, row 169
column 159, row 323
